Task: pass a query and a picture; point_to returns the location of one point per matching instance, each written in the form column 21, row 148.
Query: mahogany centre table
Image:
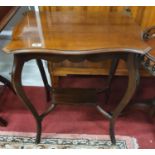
column 57, row 36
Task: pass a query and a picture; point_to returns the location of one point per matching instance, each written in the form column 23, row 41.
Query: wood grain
column 139, row 14
column 143, row 15
column 76, row 33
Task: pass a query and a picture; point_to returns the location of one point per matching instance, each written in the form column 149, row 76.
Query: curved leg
column 16, row 80
column 17, row 84
column 132, row 84
column 44, row 78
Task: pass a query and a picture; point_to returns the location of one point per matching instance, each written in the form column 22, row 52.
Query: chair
column 6, row 14
column 148, row 62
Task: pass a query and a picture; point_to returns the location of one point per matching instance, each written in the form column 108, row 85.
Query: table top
column 75, row 33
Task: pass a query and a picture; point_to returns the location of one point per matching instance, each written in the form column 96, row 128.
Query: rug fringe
column 135, row 143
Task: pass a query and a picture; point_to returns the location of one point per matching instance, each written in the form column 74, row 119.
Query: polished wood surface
column 76, row 33
column 143, row 15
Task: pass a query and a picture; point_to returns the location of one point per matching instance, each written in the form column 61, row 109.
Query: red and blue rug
column 17, row 140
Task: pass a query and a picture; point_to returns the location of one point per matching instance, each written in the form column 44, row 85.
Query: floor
column 82, row 119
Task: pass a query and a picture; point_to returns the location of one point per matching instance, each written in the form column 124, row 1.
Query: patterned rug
column 16, row 140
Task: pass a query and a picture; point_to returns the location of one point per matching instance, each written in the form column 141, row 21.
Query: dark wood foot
column 152, row 109
column 39, row 131
column 3, row 122
column 7, row 83
column 112, row 132
column 147, row 106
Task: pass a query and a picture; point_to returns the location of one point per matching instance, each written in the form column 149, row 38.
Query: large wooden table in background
column 57, row 37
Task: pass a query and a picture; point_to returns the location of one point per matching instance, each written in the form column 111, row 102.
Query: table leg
column 147, row 105
column 44, row 78
column 3, row 122
column 133, row 79
column 132, row 84
column 112, row 72
column 152, row 109
column 17, row 84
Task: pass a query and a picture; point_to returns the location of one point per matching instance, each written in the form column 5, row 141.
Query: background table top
column 75, row 33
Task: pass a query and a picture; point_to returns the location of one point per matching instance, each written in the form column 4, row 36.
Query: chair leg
column 112, row 72
column 3, row 122
column 7, row 83
column 44, row 78
column 152, row 109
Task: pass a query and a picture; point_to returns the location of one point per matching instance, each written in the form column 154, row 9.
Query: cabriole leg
column 17, row 84
column 133, row 79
